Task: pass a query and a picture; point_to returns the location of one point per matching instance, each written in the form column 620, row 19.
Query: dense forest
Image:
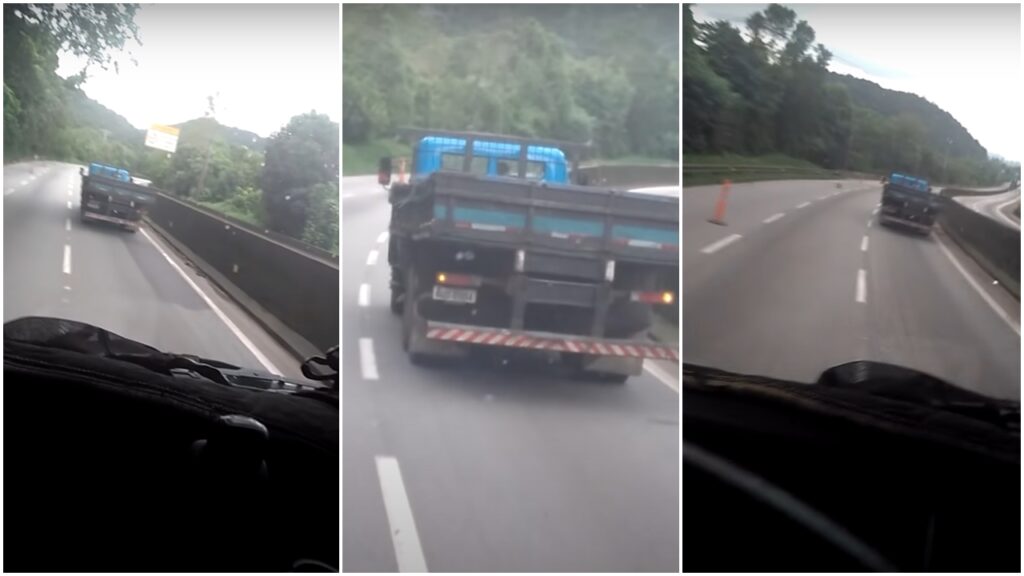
column 605, row 74
column 287, row 183
column 767, row 90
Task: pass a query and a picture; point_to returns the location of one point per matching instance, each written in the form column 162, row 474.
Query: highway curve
column 802, row 278
column 131, row 284
column 998, row 207
column 478, row 469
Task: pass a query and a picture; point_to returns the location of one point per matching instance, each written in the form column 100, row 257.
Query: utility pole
column 210, row 111
column 945, row 158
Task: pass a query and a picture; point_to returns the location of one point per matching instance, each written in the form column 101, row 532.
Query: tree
column 299, row 158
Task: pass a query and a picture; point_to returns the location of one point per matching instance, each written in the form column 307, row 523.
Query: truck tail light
column 649, row 297
column 450, row 279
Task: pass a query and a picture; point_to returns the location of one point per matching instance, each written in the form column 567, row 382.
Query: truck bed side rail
column 626, row 225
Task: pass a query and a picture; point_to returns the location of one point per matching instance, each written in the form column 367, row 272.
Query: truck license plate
column 456, row 295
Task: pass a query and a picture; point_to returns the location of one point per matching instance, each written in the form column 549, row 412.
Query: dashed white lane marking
column 869, row 223
column 1014, row 325
column 383, row 237
column 367, row 359
column 69, row 204
column 404, row 537
column 716, row 246
column 823, row 196
column 773, row 217
column 875, row 211
column 260, row 357
column 68, row 288
column 803, row 205
column 67, row 225
column 862, row 286
column 659, row 373
column 364, row 295
column 69, row 193
column 371, row 258
column 23, row 182
column 864, row 244
column 67, row 259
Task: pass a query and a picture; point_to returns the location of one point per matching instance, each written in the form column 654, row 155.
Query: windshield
column 178, row 193
column 794, row 259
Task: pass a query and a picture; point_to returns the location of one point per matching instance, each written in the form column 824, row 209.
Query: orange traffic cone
column 720, row 205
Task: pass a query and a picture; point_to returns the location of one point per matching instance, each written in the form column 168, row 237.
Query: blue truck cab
column 489, row 158
column 908, row 201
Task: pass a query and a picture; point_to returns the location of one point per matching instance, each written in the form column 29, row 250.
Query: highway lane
column 998, row 207
column 500, row 469
column 132, row 284
column 809, row 280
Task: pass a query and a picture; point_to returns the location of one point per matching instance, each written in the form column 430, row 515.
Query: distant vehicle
column 112, row 195
column 908, row 201
column 490, row 245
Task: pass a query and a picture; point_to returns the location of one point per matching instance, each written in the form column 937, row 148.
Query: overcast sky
column 965, row 58
column 267, row 62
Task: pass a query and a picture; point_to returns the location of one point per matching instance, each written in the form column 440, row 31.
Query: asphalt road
column 479, row 469
column 802, row 278
column 132, row 284
column 998, row 207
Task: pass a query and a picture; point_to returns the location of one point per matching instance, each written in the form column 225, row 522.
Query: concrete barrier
column 290, row 288
column 994, row 246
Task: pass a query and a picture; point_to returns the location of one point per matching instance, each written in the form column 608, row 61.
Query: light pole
column 210, row 111
column 945, row 159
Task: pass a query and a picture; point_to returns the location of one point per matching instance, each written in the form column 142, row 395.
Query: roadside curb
column 296, row 345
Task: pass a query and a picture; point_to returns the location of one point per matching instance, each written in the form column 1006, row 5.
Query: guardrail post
column 720, row 205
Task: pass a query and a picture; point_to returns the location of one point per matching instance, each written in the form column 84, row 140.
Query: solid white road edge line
column 716, row 246
column 773, row 218
column 862, row 286
column 660, row 374
column 371, row 258
column 260, row 357
column 367, row 359
column 1015, row 326
column 364, row 295
column 404, row 537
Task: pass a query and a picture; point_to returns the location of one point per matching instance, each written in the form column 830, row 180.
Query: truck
column 113, row 195
column 908, row 201
column 496, row 243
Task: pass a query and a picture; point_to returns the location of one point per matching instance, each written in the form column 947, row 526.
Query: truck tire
column 397, row 295
column 397, row 307
column 409, row 318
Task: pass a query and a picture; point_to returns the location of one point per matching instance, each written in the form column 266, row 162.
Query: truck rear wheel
column 409, row 320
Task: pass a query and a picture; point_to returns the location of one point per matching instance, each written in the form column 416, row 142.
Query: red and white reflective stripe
column 577, row 346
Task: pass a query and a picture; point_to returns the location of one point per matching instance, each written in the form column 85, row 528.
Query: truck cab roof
column 490, row 157
column 911, row 182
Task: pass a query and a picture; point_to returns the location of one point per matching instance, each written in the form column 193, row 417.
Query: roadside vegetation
column 766, row 90
column 287, row 183
column 603, row 74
